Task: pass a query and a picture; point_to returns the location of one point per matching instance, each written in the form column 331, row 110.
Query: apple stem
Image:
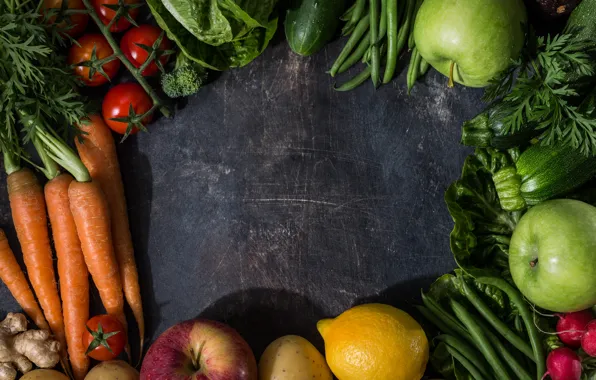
column 533, row 263
column 451, row 83
column 195, row 359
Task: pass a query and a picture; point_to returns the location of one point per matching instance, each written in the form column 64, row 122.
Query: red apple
column 199, row 349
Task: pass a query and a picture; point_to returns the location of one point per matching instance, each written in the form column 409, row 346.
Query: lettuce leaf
column 237, row 52
column 482, row 230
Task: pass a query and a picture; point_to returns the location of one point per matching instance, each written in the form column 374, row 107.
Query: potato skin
column 113, row 370
column 44, row 374
column 293, row 358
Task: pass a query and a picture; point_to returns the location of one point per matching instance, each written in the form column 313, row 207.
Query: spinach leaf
column 442, row 361
column 202, row 18
column 482, row 231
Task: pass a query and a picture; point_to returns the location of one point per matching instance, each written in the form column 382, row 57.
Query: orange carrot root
column 30, row 219
column 92, row 219
column 98, row 153
column 16, row 282
column 72, row 272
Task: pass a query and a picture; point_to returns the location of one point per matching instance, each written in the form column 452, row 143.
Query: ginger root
column 20, row 348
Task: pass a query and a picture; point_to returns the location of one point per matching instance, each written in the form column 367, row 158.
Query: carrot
column 15, row 280
column 92, row 219
column 72, row 271
column 98, row 153
column 30, row 219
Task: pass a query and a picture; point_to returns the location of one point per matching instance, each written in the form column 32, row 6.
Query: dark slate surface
column 271, row 201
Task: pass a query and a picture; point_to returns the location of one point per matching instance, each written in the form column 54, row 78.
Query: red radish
column 572, row 327
column 563, row 364
column 589, row 339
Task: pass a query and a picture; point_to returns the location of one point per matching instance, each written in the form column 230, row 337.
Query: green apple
column 552, row 255
column 470, row 41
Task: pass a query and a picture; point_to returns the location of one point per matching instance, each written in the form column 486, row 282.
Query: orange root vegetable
column 16, row 282
column 92, row 219
column 72, row 272
column 30, row 219
column 98, row 153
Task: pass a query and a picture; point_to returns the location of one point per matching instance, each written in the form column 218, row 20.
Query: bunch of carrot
column 91, row 233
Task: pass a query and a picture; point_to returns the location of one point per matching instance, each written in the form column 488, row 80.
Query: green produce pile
column 378, row 31
column 524, row 219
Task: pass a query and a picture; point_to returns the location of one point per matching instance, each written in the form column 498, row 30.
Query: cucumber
column 312, row 23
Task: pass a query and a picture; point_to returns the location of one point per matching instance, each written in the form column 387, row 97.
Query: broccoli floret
column 186, row 78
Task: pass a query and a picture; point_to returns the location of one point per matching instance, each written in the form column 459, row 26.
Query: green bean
column 358, row 13
column 480, row 338
column 361, row 28
column 347, row 16
column 347, row 29
column 413, row 69
column 357, row 54
column 466, row 363
column 356, row 81
column 518, row 301
column 436, row 321
column 495, row 322
column 411, row 41
column 375, row 58
column 383, row 24
column 406, row 26
column 469, row 352
column 446, row 317
column 424, row 66
column 392, row 39
column 505, row 353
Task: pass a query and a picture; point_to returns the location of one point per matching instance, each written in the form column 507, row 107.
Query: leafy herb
column 34, row 79
column 543, row 99
column 545, row 88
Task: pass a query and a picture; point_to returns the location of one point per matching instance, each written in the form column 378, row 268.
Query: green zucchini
column 312, row 23
column 486, row 130
column 542, row 173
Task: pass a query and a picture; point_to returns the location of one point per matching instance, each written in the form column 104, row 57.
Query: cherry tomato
column 145, row 35
column 82, row 53
column 105, row 338
column 77, row 23
column 117, row 103
column 106, row 14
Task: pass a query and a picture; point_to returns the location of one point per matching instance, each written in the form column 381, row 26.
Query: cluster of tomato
column 95, row 47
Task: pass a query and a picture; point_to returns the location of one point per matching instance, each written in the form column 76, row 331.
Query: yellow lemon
column 375, row 342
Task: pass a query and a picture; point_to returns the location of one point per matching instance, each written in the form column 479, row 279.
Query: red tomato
column 106, row 14
column 77, row 23
column 105, row 338
column 82, row 53
column 117, row 103
column 145, row 35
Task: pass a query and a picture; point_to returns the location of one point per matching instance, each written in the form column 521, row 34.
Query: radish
column 563, row 364
column 572, row 326
column 589, row 339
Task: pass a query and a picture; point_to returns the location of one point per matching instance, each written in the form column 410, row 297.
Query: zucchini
column 311, row 24
column 486, row 130
column 542, row 173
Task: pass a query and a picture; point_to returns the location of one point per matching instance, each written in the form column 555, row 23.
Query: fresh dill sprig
column 539, row 91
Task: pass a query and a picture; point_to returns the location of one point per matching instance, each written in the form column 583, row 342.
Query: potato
column 113, row 370
column 44, row 374
column 293, row 358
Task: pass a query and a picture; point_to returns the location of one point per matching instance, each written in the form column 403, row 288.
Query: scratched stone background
column 270, row 200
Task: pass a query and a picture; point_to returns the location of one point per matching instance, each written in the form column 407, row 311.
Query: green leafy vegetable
column 217, row 34
column 482, row 230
